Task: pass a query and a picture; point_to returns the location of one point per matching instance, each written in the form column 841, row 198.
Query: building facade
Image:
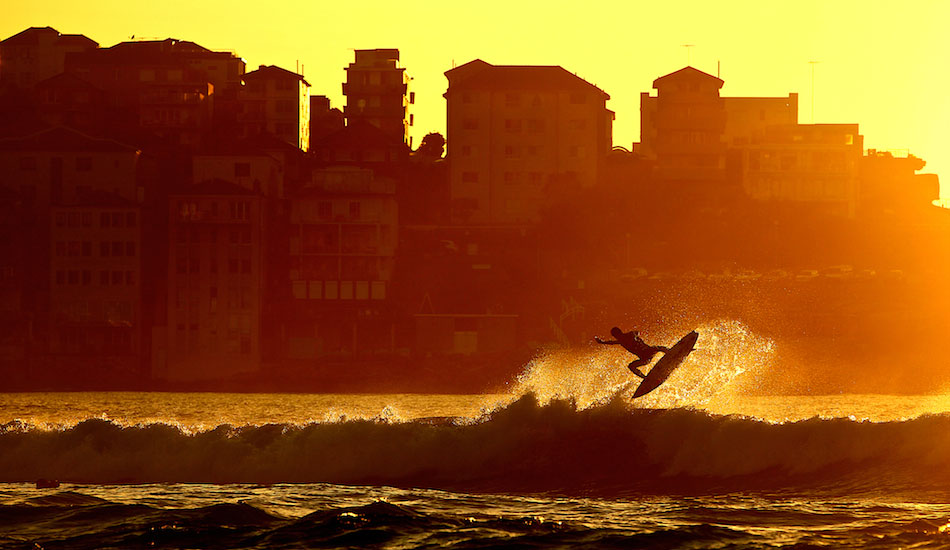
column 215, row 283
column 376, row 91
column 808, row 164
column 95, row 322
column 38, row 53
column 343, row 234
column 276, row 101
column 513, row 130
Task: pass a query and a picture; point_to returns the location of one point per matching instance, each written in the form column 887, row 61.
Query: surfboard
column 667, row 364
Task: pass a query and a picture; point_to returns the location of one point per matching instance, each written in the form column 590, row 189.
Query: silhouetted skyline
column 889, row 86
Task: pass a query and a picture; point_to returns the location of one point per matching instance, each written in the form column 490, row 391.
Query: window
column 117, row 219
column 104, row 278
column 83, row 164
column 60, row 248
column 28, row 164
column 577, row 98
column 117, row 248
column 239, row 210
column 104, row 219
column 324, row 211
column 117, row 277
column 86, row 249
column 470, row 124
column 512, row 100
column 242, row 169
column 512, row 125
column 354, row 210
column 130, row 249
column 87, row 219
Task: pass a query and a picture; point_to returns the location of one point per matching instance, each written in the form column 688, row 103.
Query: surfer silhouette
column 632, row 342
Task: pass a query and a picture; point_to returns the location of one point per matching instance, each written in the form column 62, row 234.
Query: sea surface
column 563, row 459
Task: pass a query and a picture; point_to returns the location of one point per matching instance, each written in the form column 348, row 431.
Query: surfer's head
column 616, row 332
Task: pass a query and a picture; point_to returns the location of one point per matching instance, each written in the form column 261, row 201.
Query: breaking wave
column 568, row 428
column 527, row 446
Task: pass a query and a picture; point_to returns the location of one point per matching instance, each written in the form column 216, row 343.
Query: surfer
column 632, row 342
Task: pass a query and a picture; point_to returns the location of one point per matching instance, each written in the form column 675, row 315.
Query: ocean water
column 564, row 459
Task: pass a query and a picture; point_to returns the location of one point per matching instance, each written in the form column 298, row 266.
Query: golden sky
column 881, row 64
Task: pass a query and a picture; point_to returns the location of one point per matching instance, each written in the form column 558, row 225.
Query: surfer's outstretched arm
column 606, row 342
column 636, row 371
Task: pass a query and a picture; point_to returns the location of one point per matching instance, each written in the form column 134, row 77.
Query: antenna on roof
column 689, row 47
column 718, row 66
column 813, row 63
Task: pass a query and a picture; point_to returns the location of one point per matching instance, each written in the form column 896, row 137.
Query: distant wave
column 526, row 446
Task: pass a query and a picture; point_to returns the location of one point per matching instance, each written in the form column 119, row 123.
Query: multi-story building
column 890, row 186
column 15, row 319
column 159, row 88
column 250, row 168
column 95, row 324
column 343, row 230
column 376, row 91
column 215, row 279
column 67, row 100
column 748, row 117
column 38, row 53
column 323, row 120
column 512, row 130
column 276, row 101
column 682, row 127
column 814, row 164
column 57, row 165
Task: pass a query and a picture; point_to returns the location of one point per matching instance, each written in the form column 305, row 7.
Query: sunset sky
column 881, row 64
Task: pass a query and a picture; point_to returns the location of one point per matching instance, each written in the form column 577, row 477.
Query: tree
column 432, row 146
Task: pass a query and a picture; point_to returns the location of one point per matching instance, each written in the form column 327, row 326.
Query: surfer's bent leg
column 634, row 367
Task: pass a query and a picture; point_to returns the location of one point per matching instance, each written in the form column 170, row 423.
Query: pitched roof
column 67, row 80
column 273, row 71
column 215, row 186
column 688, row 73
column 62, row 138
column 478, row 74
column 96, row 197
column 30, row 36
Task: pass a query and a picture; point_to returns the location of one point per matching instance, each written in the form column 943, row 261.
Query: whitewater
column 561, row 458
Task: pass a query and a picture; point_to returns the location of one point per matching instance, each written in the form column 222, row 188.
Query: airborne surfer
column 632, row 342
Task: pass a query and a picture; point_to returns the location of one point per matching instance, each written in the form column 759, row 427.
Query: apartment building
column 215, row 282
column 38, row 53
column 343, row 234
column 513, row 130
column 276, row 101
column 95, row 321
column 376, row 91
